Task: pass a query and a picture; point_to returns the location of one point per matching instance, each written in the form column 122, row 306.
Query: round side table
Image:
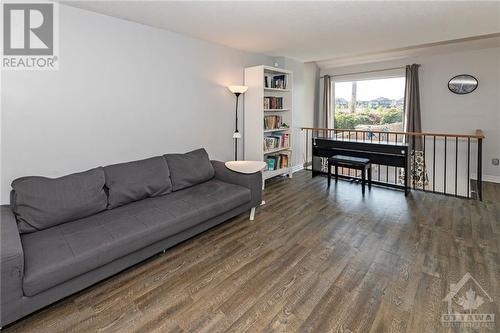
column 246, row 166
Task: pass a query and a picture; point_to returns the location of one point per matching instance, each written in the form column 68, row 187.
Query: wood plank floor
column 313, row 260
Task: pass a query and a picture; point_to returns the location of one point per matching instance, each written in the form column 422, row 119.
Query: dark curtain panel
column 413, row 121
column 327, row 100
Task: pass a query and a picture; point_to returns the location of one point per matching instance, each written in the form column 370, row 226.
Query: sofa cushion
column 40, row 202
column 189, row 169
column 55, row 255
column 132, row 181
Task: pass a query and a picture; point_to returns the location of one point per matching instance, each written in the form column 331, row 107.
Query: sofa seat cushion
column 57, row 254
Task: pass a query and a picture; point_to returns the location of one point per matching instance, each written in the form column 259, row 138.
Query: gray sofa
column 59, row 236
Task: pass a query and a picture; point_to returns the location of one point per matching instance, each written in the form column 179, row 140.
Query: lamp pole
column 237, row 90
column 236, row 133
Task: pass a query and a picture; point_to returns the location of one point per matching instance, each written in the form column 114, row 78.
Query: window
column 369, row 104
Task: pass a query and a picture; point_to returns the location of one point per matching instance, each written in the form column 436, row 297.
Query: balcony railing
column 449, row 164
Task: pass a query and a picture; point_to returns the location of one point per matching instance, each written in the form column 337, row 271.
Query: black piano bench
column 350, row 162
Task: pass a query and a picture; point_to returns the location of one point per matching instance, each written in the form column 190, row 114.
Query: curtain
column 327, row 101
column 413, row 123
column 325, row 120
column 412, row 106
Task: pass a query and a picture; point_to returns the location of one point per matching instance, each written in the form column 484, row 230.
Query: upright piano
column 383, row 153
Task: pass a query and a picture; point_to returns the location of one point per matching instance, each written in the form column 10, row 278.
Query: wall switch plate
column 495, row 161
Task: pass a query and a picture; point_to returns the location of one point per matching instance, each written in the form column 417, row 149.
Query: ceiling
column 310, row 30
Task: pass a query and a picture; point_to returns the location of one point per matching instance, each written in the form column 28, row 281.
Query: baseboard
column 297, row 168
column 493, row 179
column 487, row 178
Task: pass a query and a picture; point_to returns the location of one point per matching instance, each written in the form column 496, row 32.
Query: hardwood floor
column 313, row 260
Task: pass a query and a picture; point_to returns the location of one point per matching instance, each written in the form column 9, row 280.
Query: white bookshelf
column 254, row 113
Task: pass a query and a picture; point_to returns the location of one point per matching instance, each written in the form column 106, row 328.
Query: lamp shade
column 237, row 89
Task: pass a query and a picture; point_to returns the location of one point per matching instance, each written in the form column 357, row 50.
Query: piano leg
column 369, row 177
column 329, row 175
column 363, row 173
column 407, row 190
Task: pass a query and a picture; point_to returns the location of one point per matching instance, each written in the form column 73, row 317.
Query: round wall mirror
column 462, row 84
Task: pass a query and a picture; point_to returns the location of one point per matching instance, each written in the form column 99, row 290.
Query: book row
column 277, row 161
column 273, row 102
column 281, row 140
column 275, row 81
column 273, row 122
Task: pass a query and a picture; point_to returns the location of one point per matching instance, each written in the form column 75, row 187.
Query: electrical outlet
column 495, row 161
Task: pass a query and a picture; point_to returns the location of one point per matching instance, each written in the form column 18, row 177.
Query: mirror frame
column 463, row 93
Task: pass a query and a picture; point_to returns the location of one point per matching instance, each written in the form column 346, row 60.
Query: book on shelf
column 273, row 102
column 267, row 81
column 271, row 164
column 275, row 81
column 272, row 122
column 275, row 141
column 277, row 161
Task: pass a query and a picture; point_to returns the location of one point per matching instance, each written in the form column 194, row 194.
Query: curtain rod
column 366, row 72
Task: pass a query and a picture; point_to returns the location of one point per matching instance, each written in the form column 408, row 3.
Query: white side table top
column 246, row 166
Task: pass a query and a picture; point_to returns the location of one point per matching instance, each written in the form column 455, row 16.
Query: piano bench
column 351, row 162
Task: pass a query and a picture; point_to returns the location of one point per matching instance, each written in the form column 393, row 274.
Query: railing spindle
column 395, row 175
column 425, row 170
column 378, row 165
column 456, row 165
column 307, row 149
column 413, row 172
column 387, row 167
column 468, row 167
column 434, row 166
column 445, row 148
column 480, row 168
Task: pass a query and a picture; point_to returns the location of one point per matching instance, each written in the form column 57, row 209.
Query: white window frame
column 370, row 75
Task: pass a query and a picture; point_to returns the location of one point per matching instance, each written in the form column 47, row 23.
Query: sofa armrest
column 11, row 266
column 252, row 181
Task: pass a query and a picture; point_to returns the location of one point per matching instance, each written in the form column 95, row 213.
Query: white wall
column 311, row 106
column 311, row 94
column 123, row 91
column 445, row 112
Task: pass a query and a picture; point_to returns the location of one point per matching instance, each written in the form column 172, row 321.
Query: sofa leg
column 252, row 213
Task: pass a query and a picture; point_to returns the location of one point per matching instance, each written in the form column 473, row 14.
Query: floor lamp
column 237, row 90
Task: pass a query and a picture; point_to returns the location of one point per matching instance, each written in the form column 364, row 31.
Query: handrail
column 478, row 134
